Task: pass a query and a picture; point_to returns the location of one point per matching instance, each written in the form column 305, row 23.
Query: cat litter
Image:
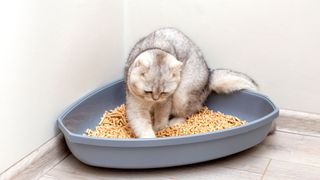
column 114, row 124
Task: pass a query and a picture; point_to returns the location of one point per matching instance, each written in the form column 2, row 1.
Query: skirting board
column 39, row 161
column 299, row 123
column 299, row 115
column 54, row 151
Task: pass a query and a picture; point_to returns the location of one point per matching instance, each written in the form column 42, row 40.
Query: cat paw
column 147, row 135
column 159, row 126
column 176, row 121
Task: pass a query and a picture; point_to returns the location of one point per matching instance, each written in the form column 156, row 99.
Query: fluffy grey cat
column 167, row 77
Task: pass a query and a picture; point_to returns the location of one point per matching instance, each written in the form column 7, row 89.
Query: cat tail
column 227, row 81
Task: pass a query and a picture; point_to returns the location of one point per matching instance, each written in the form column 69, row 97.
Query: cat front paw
column 149, row 134
column 176, row 121
column 160, row 126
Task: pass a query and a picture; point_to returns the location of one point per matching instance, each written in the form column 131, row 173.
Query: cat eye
column 164, row 93
column 148, row 92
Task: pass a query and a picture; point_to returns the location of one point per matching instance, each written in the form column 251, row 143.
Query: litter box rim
column 165, row 141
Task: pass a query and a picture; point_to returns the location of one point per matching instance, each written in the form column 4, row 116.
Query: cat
column 166, row 76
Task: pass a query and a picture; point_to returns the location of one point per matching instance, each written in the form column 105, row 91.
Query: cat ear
column 141, row 62
column 175, row 65
column 144, row 60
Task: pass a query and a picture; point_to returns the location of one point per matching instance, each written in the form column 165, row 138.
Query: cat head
column 154, row 75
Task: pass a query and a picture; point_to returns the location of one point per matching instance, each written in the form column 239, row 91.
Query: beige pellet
column 114, row 124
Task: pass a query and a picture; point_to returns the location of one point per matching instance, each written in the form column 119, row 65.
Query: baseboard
column 299, row 123
column 54, row 151
column 299, row 115
column 39, row 161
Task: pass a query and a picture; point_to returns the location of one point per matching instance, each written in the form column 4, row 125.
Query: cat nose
column 155, row 96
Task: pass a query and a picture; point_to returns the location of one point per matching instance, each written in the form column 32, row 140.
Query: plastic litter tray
column 257, row 109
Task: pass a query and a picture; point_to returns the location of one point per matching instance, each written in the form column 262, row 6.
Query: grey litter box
column 164, row 152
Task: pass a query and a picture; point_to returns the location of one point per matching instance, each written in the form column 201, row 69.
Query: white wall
column 51, row 53
column 277, row 42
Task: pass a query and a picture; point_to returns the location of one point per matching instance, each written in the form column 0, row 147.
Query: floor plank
column 289, row 147
column 74, row 169
column 40, row 161
column 278, row 170
column 245, row 163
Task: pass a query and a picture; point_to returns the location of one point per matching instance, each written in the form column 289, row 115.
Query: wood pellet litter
column 114, row 124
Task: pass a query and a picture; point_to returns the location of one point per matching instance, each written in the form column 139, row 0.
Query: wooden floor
column 293, row 152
